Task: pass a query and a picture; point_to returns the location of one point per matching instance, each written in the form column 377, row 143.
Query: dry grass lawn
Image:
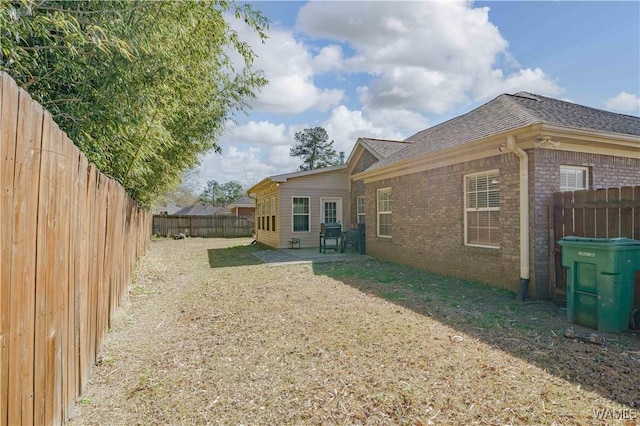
column 209, row 335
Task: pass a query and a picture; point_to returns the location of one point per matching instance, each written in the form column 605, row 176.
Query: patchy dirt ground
column 209, row 335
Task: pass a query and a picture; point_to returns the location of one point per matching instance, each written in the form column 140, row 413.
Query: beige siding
column 334, row 184
column 264, row 236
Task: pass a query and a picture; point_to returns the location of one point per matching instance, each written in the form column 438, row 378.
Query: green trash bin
column 600, row 280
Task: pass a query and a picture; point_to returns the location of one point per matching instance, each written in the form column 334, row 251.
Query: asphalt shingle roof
column 508, row 112
column 384, row 147
column 201, row 210
column 244, row 200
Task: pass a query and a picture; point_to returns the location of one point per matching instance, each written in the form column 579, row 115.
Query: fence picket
column 636, row 213
column 626, row 213
column 23, row 265
column 613, row 213
column 601, row 213
column 8, row 118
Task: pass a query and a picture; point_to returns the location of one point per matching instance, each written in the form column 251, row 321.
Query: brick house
column 243, row 206
column 469, row 197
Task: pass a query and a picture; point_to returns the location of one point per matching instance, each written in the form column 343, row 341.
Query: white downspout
column 524, row 216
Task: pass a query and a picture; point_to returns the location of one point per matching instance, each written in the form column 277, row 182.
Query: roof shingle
column 508, row 112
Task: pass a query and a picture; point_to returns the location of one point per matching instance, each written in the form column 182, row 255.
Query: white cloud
column 527, row 80
column 245, row 165
column 399, row 123
column 329, row 58
column 288, row 66
column 425, row 56
column 624, row 101
column 262, row 133
column 255, row 150
column 345, row 126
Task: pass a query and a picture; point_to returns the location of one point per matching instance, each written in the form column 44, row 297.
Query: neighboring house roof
column 243, row 201
column 201, row 210
column 508, row 112
column 170, row 208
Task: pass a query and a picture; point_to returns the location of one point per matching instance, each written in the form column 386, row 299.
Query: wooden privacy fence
column 69, row 239
column 600, row 213
column 222, row 226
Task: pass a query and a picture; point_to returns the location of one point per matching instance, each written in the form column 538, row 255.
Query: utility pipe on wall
column 524, row 216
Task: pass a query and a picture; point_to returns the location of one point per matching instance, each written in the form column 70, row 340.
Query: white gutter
column 524, row 216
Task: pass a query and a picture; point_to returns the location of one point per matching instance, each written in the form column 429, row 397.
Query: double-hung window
column 482, row 209
column 384, row 212
column 574, row 178
column 300, row 214
column 360, row 208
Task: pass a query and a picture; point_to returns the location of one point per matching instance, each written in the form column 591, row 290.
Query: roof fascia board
column 287, row 176
column 257, row 187
column 592, row 136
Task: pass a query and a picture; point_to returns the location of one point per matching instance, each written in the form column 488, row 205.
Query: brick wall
column 604, row 172
column 246, row 211
column 428, row 223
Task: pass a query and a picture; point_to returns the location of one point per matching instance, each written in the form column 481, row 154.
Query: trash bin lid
column 621, row 242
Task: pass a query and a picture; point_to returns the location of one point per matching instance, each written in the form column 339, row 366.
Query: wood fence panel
column 69, row 239
column 604, row 213
column 221, row 226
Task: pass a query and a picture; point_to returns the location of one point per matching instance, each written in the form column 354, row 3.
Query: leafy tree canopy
column 218, row 194
column 143, row 87
column 315, row 149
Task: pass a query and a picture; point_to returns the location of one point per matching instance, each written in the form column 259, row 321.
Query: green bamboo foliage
column 142, row 87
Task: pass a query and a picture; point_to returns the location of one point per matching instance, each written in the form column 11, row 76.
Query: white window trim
column 358, row 214
column 468, row 209
column 379, row 212
column 575, row 168
column 300, row 214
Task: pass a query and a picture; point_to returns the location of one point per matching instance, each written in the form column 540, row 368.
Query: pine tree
column 315, row 149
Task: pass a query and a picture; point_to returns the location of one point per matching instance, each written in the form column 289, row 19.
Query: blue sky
column 390, row 69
